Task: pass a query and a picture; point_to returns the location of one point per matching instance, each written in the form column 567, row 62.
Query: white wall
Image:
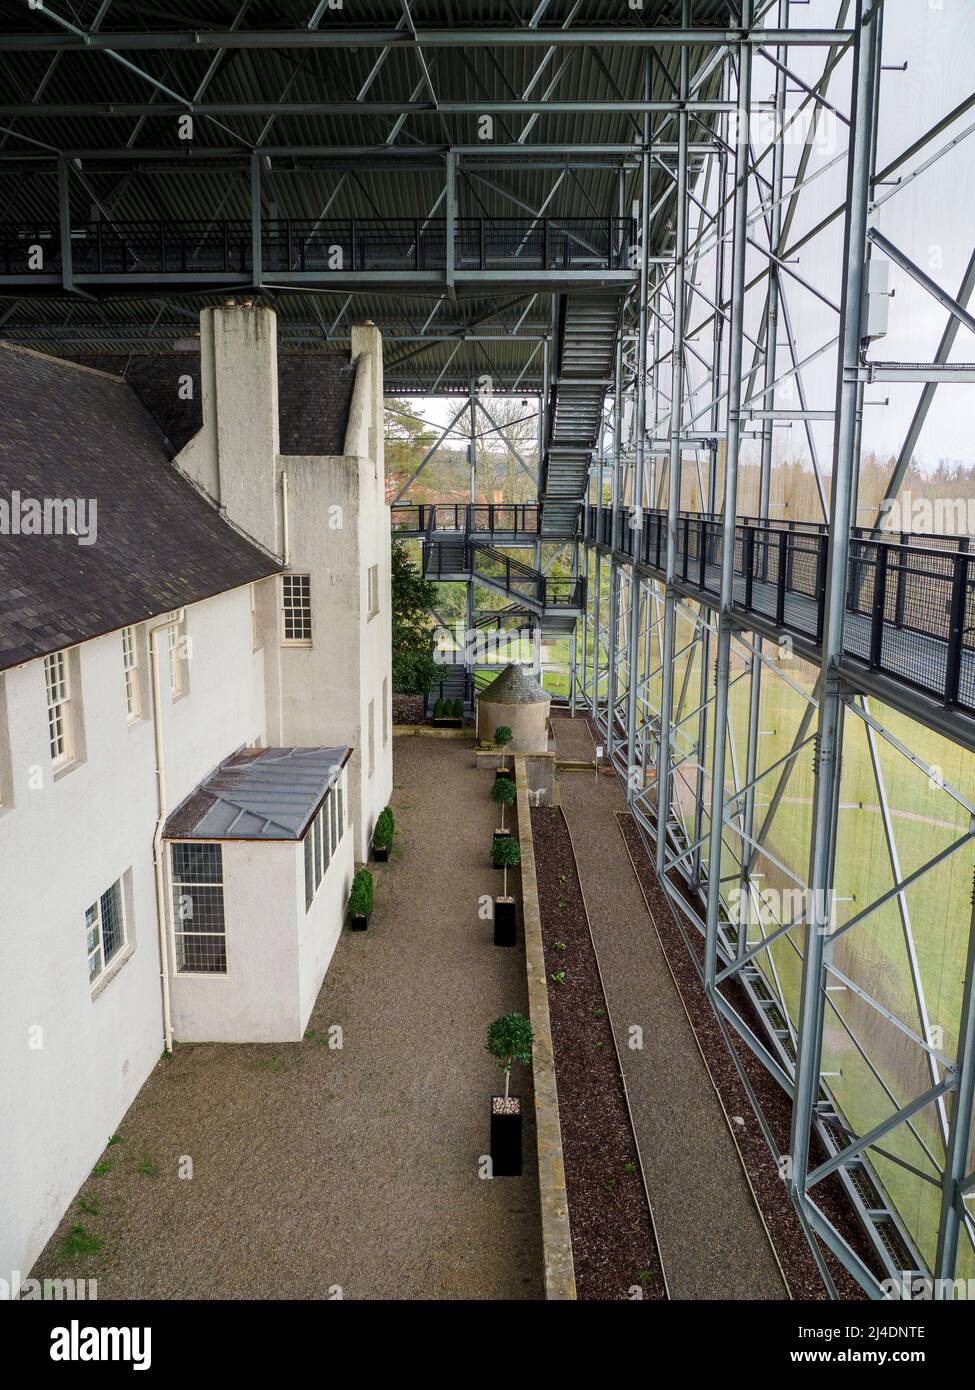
column 277, row 953
column 338, row 527
column 73, row 1063
column 74, row 1060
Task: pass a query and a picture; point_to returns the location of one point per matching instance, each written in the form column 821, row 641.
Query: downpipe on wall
column 162, row 914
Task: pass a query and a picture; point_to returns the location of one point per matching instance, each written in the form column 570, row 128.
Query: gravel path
column 315, row 1168
column 712, row 1239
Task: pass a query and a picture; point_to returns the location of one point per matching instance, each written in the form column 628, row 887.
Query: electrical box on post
column 876, row 299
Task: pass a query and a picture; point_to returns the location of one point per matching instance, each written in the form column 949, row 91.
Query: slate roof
column 314, row 395
column 258, row 794
column 515, row 686
column 72, row 433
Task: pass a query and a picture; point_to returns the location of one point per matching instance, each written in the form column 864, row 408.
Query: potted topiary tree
column 382, row 835
column 360, row 900
column 509, row 1040
column 506, row 854
column 437, row 711
column 502, row 737
column 503, row 794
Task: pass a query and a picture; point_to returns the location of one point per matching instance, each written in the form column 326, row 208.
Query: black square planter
column 380, row 854
column 506, row 1141
column 505, row 921
column 502, row 773
column 358, row 922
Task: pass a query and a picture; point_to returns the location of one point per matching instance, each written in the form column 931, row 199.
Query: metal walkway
column 910, row 603
column 558, row 602
column 555, row 252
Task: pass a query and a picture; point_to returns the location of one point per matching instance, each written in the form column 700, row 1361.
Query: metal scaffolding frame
column 658, row 663
column 636, row 678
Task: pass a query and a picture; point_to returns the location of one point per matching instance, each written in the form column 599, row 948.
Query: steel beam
column 817, row 949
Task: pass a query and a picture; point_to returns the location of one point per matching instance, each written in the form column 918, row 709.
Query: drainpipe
column 162, row 915
column 285, row 535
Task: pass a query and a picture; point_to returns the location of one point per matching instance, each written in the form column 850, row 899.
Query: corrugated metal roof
column 299, row 187
column 258, row 794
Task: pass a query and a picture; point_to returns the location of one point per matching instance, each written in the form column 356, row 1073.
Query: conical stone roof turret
column 515, row 686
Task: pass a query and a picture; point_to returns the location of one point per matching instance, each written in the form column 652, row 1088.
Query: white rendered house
column 195, row 717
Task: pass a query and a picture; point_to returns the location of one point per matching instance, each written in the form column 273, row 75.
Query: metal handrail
column 918, row 600
column 187, row 245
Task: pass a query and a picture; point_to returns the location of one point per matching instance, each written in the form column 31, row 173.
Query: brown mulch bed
column 770, row 1190
column 407, row 709
column 614, row 1246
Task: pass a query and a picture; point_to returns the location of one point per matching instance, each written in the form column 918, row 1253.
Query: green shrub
column 506, row 852
column 458, row 709
column 438, row 710
column 382, row 835
column 503, row 791
column 360, row 899
column 502, row 736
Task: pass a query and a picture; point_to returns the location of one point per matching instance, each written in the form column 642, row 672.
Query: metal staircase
column 589, row 325
column 456, row 561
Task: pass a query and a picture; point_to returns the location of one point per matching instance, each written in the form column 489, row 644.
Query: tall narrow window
column 175, row 648
column 373, row 590
column 385, row 710
column 198, row 909
column 322, row 838
column 255, row 629
column 309, row 868
column 60, row 732
column 130, row 668
column 372, row 737
column 6, row 772
column 296, row 609
column 104, row 930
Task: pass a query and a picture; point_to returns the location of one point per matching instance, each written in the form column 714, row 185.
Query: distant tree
column 407, row 437
column 414, row 668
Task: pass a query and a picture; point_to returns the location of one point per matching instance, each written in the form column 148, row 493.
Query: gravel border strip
column 710, row 1074
column 619, row 1061
column 807, row 1279
column 612, row 1228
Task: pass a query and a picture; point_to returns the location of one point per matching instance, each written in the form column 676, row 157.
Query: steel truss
column 660, row 673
